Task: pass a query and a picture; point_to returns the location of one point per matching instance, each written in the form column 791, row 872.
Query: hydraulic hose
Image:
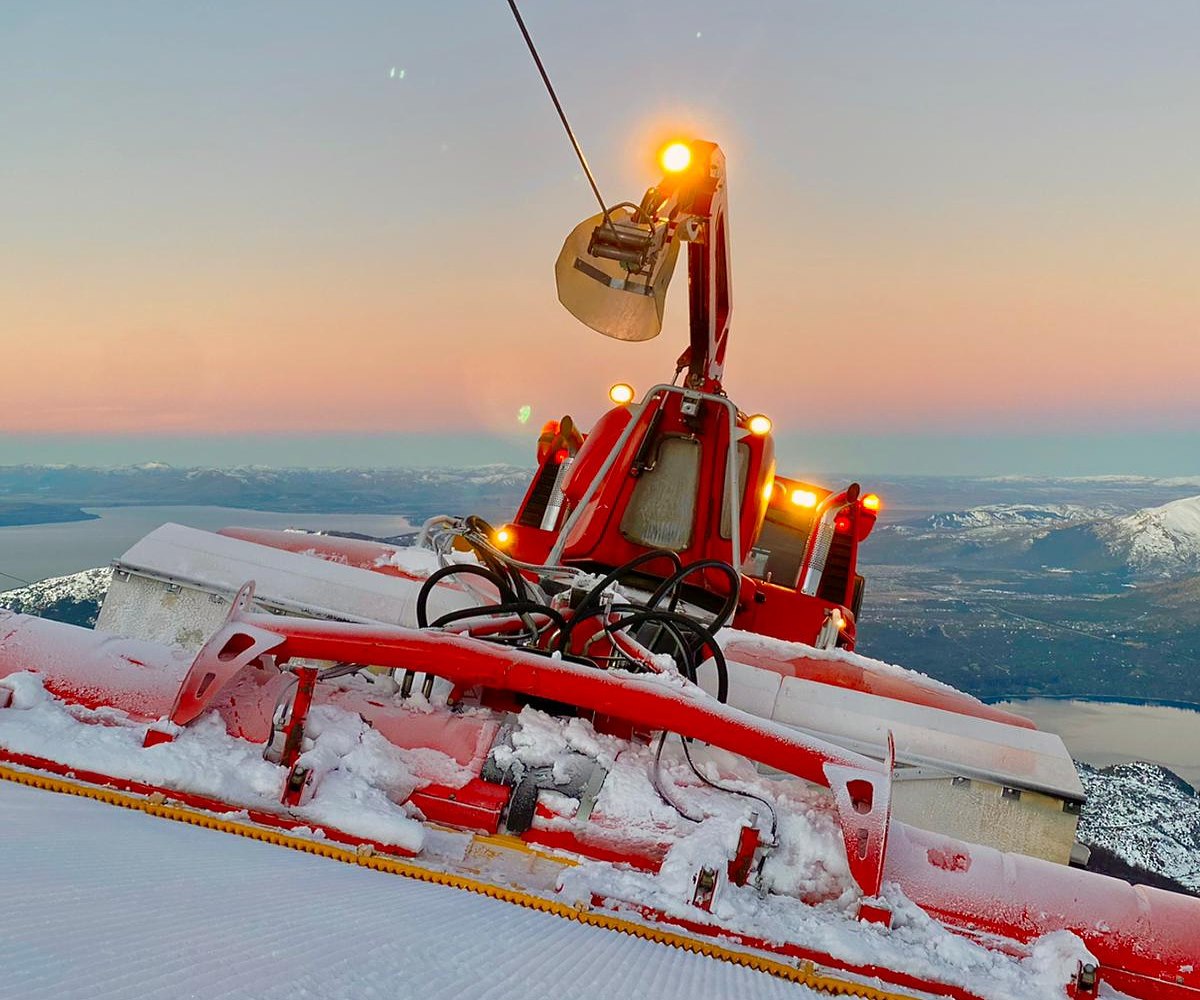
column 671, row 586
column 506, row 592
column 613, row 576
column 506, row 607
column 706, row 641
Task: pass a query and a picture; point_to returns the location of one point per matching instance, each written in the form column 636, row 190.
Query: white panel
column 750, row 689
column 961, row 744
column 203, row 564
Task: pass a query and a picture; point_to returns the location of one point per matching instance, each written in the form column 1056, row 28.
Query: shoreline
column 25, row 515
column 1098, row 699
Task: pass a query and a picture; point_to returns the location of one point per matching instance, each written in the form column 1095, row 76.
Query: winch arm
column 614, row 268
column 704, row 208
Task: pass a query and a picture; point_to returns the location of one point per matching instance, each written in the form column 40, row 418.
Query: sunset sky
column 966, row 234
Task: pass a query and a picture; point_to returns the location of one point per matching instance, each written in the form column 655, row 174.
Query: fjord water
column 36, row 551
column 1103, row 733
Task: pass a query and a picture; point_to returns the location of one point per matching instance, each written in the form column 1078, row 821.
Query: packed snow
column 784, row 649
column 355, row 796
column 106, row 904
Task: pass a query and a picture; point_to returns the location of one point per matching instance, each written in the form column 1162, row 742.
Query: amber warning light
column 621, row 394
column 758, row 425
column 675, row 157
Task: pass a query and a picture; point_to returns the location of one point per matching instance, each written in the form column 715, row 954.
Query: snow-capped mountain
column 997, row 533
column 1011, row 515
column 1157, row 541
column 1151, row 543
column 1147, row 816
column 75, row 598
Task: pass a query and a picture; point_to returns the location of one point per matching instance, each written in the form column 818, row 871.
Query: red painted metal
column 293, row 734
column 477, row 805
column 1139, row 934
column 596, row 446
column 598, row 539
column 594, row 848
column 783, row 613
column 231, row 648
column 743, row 857
column 641, row 701
column 1147, row 941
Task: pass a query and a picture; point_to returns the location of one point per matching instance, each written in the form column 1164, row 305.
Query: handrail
column 731, row 474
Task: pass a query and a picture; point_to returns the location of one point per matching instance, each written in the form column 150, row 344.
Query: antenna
column 561, row 113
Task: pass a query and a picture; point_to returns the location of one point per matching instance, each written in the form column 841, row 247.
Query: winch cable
column 537, row 59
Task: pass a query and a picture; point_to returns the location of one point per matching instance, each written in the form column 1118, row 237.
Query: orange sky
column 989, row 227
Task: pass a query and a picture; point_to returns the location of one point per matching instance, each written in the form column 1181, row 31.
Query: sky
column 963, row 232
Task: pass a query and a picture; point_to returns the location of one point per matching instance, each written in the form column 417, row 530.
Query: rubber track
column 806, row 973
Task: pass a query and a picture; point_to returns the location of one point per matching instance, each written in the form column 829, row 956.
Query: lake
column 36, row 551
column 1103, row 733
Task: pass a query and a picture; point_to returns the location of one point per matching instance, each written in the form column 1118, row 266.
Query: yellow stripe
column 804, row 973
column 508, row 842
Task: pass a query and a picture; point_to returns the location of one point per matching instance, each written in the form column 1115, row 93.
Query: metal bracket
column 864, row 807
column 235, row 645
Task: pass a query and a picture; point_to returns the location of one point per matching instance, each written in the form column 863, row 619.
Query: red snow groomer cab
column 656, row 481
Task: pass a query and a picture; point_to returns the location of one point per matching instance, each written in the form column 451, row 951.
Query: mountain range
column 33, row 494
column 1147, row 544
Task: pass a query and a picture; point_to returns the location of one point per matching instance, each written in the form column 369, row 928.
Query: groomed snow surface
column 107, row 904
